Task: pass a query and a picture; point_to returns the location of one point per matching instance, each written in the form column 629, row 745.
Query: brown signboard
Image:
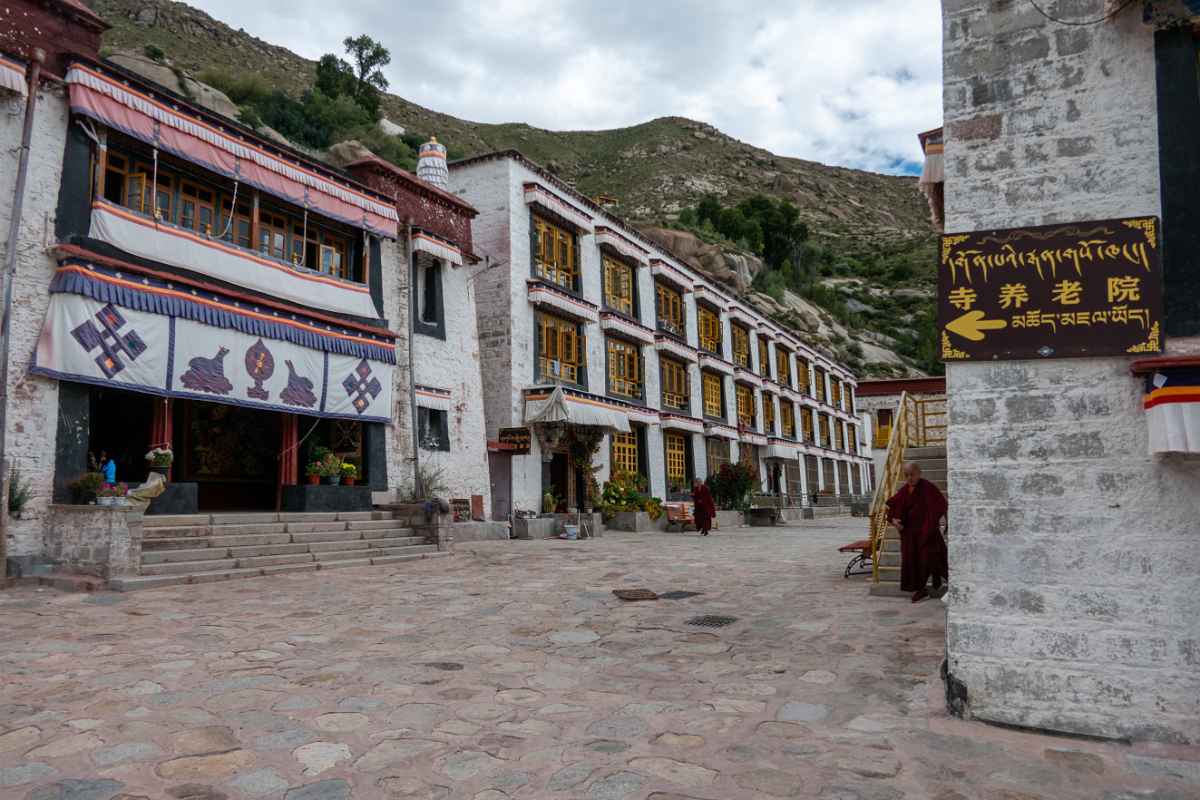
column 1055, row 291
column 515, row 440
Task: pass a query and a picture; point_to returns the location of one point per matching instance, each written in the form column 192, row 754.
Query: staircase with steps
column 932, row 461
column 203, row 548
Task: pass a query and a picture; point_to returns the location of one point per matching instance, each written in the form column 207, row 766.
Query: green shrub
column 732, row 485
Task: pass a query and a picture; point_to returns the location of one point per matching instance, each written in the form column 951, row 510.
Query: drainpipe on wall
column 10, row 269
column 418, row 490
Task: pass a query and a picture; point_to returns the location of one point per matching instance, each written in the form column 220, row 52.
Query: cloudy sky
column 846, row 82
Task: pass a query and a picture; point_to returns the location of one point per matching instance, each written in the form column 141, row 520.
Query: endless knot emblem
column 110, row 340
column 361, row 386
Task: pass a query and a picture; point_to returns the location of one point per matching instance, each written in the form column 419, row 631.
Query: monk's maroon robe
column 922, row 548
column 704, row 509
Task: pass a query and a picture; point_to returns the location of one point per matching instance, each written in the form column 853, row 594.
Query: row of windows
column 197, row 206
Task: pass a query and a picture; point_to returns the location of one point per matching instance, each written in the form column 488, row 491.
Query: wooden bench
column 680, row 514
column 863, row 548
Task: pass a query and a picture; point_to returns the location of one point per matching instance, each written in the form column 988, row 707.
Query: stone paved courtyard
column 511, row 671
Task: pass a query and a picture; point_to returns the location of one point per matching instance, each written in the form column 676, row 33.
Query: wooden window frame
column 240, row 214
column 783, row 367
column 747, row 414
column 764, row 357
column 615, row 272
column 768, row 403
column 675, row 456
column 675, row 381
column 707, row 381
column 741, row 345
column 624, row 454
column 787, row 419
column 184, row 185
column 553, row 348
column 555, row 254
column 669, row 310
column 624, row 362
column 807, row 424
column 721, row 445
column 710, row 334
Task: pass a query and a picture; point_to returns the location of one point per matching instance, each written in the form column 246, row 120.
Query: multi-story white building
column 584, row 320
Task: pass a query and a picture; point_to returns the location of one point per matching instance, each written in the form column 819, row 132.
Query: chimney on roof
column 431, row 163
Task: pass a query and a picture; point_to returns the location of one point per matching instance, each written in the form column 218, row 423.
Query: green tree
column 368, row 57
column 335, row 76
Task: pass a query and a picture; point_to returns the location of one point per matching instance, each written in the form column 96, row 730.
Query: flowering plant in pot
column 313, row 471
column 86, row 487
column 349, row 473
column 331, row 469
column 160, row 457
column 109, row 493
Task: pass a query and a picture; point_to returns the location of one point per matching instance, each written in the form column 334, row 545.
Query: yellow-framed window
column 741, row 346
column 197, row 207
column 769, row 414
column 676, row 449
column 783, row 366
column 806, row 423
column 787, row 419
column 714, row 399
column 836, row 386
column 675, row 387
column 560, row 349
column 819, row 380
column 835, row 431
column 716, row 453
column 745, row 406
column 824, row 421
column 668, row 305
column 804, row 375
column 624, row 368
column 618, row 286
column 764, row 357
column 625, row 453
column 710, row 329
column 554, row 254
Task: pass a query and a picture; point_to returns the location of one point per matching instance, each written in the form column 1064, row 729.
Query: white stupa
column 431, row 163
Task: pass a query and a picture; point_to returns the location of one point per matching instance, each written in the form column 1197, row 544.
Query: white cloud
column 849, row 82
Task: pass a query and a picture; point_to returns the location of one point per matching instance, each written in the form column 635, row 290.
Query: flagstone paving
column 511, row 671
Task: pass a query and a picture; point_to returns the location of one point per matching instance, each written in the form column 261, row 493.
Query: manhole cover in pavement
column 635, row 594
column 678, row 594
column 447, row 666
column 712, row 621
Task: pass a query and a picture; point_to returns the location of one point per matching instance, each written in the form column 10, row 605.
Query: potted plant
column 313, row 471
column 349, row 473
column 331, row 468
column 108, row 493
column 160, row 458
column 85, row 488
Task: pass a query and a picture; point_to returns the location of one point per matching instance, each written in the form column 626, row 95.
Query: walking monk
column 916, row 511
column 704, row 510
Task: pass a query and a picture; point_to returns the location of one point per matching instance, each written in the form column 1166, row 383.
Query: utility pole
column 10, row 269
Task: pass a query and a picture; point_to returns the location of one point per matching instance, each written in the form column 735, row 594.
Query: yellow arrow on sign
column 971, row 325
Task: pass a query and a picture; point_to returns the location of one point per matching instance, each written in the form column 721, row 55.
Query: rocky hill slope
column 653, row 170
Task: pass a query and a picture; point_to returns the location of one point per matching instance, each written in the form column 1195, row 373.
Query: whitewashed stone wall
column 401, row 431
column 33, row 401
column 1075, row 582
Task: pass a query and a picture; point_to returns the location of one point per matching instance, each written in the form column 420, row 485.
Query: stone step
column 327, row 536
column 173, row 531
column 338, row 546
column 397, row 541
column 245, row 518
column 387, row 533
column 267, row 550
column 316, row 527
column 308, row 516
column 887, row 559
column 217, row 541
column 410, row 549
column 183, row 567
column 341, row 555
column 371, row 525
column 171, row 556
column 917, row 453
column 173, row 520
column 271, row 561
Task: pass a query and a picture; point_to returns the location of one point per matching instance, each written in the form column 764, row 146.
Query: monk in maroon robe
column 704, row 509
column 916, row 511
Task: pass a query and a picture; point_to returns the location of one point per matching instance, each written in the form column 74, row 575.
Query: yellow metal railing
column 919, row 422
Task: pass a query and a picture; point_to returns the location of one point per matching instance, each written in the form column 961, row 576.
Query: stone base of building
column 552, row 525
column 104, row 541
column 480, row 531
column 326, row 498
column 179, row 498
column 637, row 522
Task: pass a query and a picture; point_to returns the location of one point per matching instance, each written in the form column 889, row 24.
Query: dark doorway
column 230, row 452
column 560, row 480
column 500, row 471
column 120, row 427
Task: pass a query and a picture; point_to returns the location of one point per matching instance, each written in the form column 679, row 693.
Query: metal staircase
column 918, row 435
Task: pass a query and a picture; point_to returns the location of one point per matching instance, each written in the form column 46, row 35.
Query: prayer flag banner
column 1172, row 404
column 1055, row 291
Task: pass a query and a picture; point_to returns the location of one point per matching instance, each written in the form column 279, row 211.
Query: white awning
column 12, row 76
column 780, row 451
column 558, row 406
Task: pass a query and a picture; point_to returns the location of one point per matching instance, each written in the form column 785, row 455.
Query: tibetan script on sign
column 1055, row 291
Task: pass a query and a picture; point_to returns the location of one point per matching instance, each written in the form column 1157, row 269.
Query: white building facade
column 684, row 376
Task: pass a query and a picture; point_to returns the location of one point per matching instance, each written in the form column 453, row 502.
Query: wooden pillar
column 254, row 221
column 289, row 456
column 162, row 433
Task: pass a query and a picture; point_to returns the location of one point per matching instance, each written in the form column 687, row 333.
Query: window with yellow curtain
column 676, row 449
column 618, row 286
column 624, row 368
column 741, row 346
column 819, row 379
column 835, row 431
column 714, row 405
column 745, row 406
column 764, row 357
column 710, row 330
column 560, row 349
column 787, row 418
column 624, row 453
column 804, row 375
column 769, row 414
column 806, row 423
column 836, row 386
column 824, row 422
column 668, row 304
column 554, row 254
column 783, row 366
column 675, row 392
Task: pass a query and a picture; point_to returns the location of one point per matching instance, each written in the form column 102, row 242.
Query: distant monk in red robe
column 916, row 511
column 704, row 510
